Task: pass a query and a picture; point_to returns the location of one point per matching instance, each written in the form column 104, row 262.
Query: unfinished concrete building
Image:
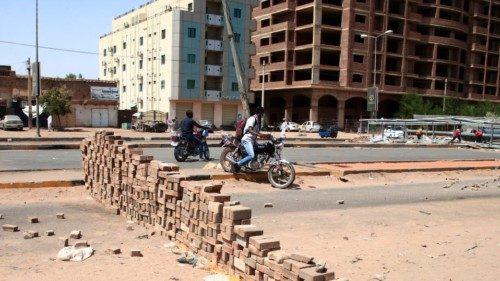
column 316, row 66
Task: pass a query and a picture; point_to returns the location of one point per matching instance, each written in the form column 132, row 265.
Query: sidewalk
column 66, row 178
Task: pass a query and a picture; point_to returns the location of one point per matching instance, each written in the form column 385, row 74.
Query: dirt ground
column 447, row 240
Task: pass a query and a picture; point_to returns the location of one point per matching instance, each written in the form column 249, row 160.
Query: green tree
column 413, row 103
column 70, row 76
column 80, row 76
column 57, row 102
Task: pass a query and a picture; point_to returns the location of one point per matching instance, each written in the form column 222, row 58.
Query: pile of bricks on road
column 194, row 213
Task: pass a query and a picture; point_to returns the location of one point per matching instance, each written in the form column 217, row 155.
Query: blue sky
column 67, row 24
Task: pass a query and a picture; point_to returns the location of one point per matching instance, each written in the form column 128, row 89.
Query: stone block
column 135, row 253
column 302, row 257
column 310, row 274
column 33, row 219
column 264, row 242
column 75, row 234
column 49, row 233
column 247, row 230
column 63, row 241
column 81, row 244
column 10, row 227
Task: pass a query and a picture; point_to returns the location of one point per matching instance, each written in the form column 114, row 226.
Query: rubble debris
column 49, row 233
column 60, row 216
column 114, row 251
column 81, row 244
column 75, row 234
column 144, row 236
column 425, row 213
column 268, row 205
column 135, row 253
column 33, row 219
column 73, row 254
column 30, row 234
column 10, row 227
column 340, row 202
column 343, row 179
column 63, row 241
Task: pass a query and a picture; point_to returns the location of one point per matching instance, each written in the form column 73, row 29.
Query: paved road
column 289, row 201
column 11, row 160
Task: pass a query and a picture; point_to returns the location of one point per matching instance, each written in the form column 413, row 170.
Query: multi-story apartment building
column 172, row 55
column 316, row 66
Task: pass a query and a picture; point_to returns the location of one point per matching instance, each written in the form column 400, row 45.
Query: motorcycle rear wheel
column 180, row 153
column 226, row 164
column 281, row 175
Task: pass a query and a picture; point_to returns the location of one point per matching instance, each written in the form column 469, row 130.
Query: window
column 190, row 83
column 237, row 13
column 191, row 58
column 191, row 32
column 237, row 37
column 163, row 34
column 359, row 39
column 124, row 88
column 162, row 59
column 234, row 87
column 190, row 7
column 124, row 67
column 360, row 18
column 162, row 84
column 357, row 78
column 114, row 69
column 114, row 49
column 358, row 58
column 140, row 64
column 104, row 72
column 104, row 52
column 124, row 45
column 140, row 87
column 141, row 41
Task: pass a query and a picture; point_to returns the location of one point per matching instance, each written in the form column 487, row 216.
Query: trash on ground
column 72, row 254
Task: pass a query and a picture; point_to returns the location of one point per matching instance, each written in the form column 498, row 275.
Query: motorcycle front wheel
column 206, row 152
column 180, row 153
column 281, row 175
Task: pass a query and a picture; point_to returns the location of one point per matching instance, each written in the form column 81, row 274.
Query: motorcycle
column 280, row 173
column 184, row 148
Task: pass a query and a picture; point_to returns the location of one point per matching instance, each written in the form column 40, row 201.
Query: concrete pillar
column 313, row 111
column 197, row 110
column 341, row 113
column 288, row 107
column 218, row 114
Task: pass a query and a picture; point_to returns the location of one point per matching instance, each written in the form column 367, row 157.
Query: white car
column 310, row 126
column 292, row 127
column 394, row 132
column 11, row 122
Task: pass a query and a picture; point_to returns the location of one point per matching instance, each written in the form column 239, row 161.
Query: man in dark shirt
column 187, row 127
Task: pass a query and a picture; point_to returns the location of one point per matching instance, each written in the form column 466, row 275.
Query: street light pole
column 37, row 78
column 444, row 96
column 30, row 114
column 374, row 113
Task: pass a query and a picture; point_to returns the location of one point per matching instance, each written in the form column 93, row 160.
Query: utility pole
column 263, row 83
column 37, row 79
column 444, row 96
column 30, row 114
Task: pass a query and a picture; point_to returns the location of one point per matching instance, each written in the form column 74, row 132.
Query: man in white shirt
column 251, row 132
column 284, row 128
column 49, row 123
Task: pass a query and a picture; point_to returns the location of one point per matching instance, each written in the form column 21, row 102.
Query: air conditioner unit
column 139, row 53
column 117, row 60
column 139, row 76
column 126, row 25
column 168, row 8
column 103, row 63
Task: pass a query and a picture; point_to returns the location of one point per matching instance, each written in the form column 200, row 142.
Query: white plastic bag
column 72, row 254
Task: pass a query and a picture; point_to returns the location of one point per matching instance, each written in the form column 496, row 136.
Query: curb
column 340, row 173
column 42, row 184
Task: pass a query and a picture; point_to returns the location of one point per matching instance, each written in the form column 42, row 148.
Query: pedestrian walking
column 457, row 134
column 479, row 135
column 284, row 128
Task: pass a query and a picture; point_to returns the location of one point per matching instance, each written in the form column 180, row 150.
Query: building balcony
column 276, row 46
column 216, row 20
column 289, row 5
column 214, row 45
column 444, row 41
column 480, row 30
column 286, row 25
column 478, row 47
column 213, row 70
column 445, row 23
column 213, row 95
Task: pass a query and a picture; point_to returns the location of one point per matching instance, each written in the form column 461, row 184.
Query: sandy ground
column 85, row 132
column 455, row 240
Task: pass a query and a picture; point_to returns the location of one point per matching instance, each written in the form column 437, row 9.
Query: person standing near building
column 49, row 123
column 284, row 128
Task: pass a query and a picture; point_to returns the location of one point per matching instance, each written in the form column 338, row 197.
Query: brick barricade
column 195, row 213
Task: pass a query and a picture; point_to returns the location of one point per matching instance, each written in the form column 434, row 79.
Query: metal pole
column 38, row 79
column 491, row 138
column 433, row 131
column 375, row 63
column 444, row 96
column 263, row 83
column 30, row 114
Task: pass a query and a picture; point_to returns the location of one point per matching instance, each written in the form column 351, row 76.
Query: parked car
column 208, row 123
column 11, row 122
column 329, row 132
column 394, row 132
column 310, row 126
column 293, row 127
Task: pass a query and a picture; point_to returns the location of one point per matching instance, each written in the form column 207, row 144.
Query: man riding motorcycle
column 187, row 126
column 249, row 139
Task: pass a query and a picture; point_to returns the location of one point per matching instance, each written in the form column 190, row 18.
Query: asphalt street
column 290, row 201
column 19, row 160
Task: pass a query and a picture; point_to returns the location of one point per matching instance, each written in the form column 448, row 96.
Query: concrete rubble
column 194, row 213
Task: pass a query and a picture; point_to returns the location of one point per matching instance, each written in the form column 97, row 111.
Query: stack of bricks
column 195, row 213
